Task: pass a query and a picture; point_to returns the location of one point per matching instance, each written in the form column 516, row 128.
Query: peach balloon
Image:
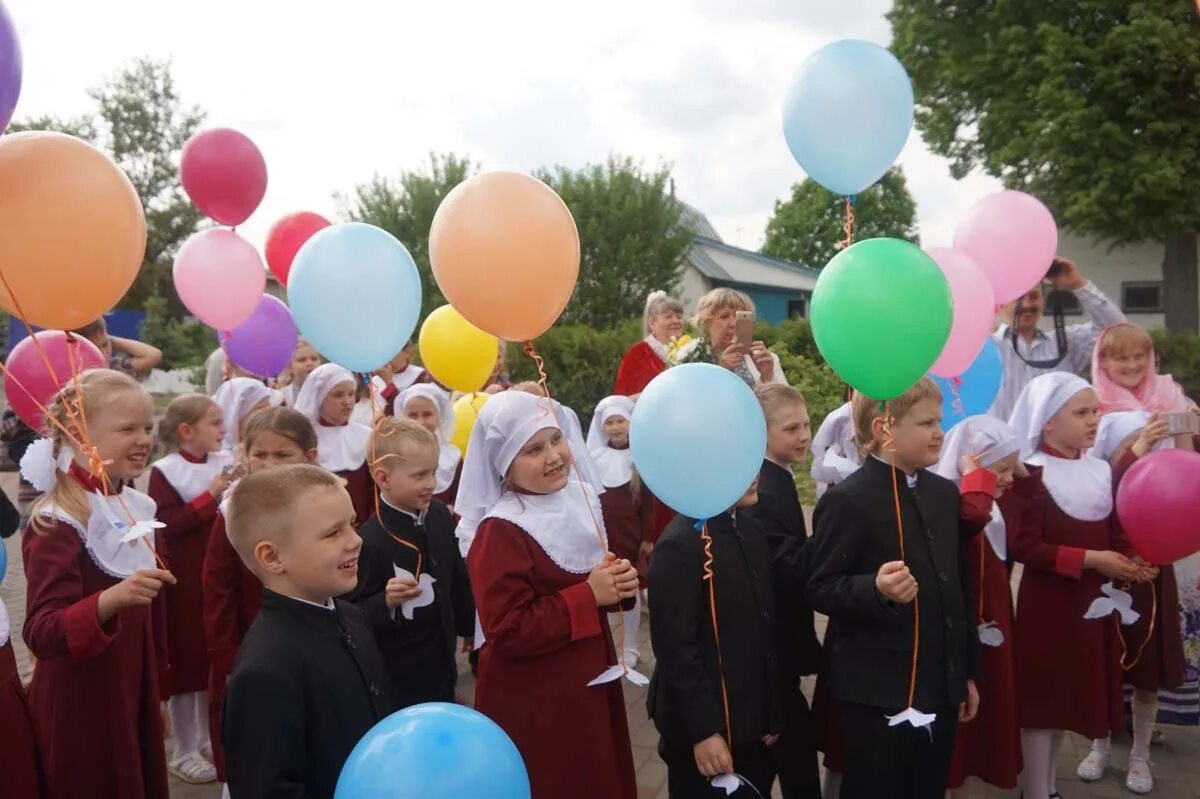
column 505, row 253
column 72, row 227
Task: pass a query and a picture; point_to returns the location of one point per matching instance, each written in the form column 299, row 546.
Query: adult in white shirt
column 1028, row 351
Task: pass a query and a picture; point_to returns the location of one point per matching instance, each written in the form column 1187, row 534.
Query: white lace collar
column 344, row 448
column 659, row 348
column 564, row 524
column 1082, row 487
column 191, row 479
column 117, row 545
column 615, row 465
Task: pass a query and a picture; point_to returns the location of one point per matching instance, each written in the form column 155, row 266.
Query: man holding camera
column 1028, row 351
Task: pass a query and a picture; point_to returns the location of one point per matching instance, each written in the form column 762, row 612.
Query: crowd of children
column 293, row 576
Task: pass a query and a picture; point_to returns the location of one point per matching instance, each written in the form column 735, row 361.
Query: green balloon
column 881, row 314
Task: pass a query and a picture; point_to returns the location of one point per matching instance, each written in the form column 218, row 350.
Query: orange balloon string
column 1149, row 629
column 709, row 577
column 889, row 445
column 848, row 224
column 29, row 329
column 375, row 462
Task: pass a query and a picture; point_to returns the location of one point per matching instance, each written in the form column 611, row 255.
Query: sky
column 336, row 92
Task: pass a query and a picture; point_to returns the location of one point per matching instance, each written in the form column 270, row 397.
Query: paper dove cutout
column 1114, row 599
column 424, row 599
column 729, row 782
column 131, row 531
column 914, row 717
column 119, row 532
column 990, row 634
column 617, row 672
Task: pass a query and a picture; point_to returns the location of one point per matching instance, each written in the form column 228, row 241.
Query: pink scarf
column 1156, row 393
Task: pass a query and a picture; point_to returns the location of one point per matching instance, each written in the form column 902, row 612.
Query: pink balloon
column 220, row 277
column 29, row 386
column 224, row 173
column 1158, row 503
column 974, row 308
column 1012, row 237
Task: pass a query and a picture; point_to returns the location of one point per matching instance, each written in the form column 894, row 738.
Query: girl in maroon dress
column 18, row 754
column 980, row 454
column 543, row 582
column 92, row 576
column 328, row 399
column 1067, row 656
column 187, row 485
column 1155, row 660
column 430, row 407
column 628, row 505
column 271, row 437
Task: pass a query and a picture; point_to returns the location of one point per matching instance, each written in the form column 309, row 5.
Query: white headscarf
column 835, row 455
column 237, row 397
column 1039, row 402
column 615, row 465
column 339, row 449
column 505, row 425
column 448, row 454
column 975, row 435
column 1114, row 429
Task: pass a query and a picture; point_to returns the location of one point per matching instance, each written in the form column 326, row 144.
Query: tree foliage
column 808, row 226
column 630, row 236
column 404, row 206
column 1093, row 106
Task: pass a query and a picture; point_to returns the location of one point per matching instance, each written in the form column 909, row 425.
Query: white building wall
column 1110, row 268
column 692, row 286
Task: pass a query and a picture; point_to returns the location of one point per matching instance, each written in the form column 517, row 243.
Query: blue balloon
column 434, row 751
column 355, row 294
column 3, row 561
column 847, row 114
column 698, row 438
column 974, row 391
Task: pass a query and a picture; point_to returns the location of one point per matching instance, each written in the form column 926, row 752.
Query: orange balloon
column 72, row 230
column 505, row 252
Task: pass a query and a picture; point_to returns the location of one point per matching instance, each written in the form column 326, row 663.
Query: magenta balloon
column 219, row 276
column 264, row 343
column 29, row 386
column 974, row 308
column 1158, row 503
column 1012, row 237
column 224, row 173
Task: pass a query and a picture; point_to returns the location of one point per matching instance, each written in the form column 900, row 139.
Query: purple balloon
column 10, row 67
column 264, row 343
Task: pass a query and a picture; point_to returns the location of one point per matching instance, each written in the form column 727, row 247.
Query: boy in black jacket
column 694, row 683
column 308, row 681
column 897, row 719
column 412, row 581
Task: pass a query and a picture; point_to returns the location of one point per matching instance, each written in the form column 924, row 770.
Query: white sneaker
column 1139, row 779
column 632, row 656
column 1092, row 767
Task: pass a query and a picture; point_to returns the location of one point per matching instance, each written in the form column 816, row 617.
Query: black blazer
column 782, row 520
column 871, row 656
column 684, row 698
column 307, row 684
column 419, row 653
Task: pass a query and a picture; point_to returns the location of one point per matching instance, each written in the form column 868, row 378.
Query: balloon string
column 957, row 404
column 375, row 461
column 712, row 604
column 1149, row 630
column 848, row 224
column 889, row 446
column 29, row 329
column 543, row 380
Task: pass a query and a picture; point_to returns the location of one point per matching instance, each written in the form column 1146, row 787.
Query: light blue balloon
column 847, row 114
column 698, row 438
column 974, row 391
column 355, row 295
column 434, row 751
column 3, row 561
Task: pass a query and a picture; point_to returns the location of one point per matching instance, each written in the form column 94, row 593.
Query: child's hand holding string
column 221, row 482
column 137, row 590
column 712, row 757
column 896, row 583
column 399, row 590
column 626, row 576
column 1148, row 573
column 1111, row 564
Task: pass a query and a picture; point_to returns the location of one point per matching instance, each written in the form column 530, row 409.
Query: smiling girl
column 1126, row 378
column 328, row 400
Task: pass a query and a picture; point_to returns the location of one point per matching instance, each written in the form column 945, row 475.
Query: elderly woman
column 716, row 320
column 645, row 360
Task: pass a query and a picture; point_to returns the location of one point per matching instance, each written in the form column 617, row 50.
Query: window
column 1065, row 300
column 797, row 309
column 1143, row 297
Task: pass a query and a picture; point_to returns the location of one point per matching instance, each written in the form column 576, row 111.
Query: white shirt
column 327, row 605
column 1081, row 339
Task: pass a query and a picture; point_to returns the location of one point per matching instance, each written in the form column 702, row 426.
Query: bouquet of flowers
column 689, row 349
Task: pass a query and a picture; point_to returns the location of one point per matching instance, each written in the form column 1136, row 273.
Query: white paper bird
column 141, row 530
column 990, row 634
column 730, row 783
column 613, row 673
column 914, row 717
column 421, row 600
column 1114, row 599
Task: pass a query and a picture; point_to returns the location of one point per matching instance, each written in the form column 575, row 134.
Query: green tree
column 184, row 342
column 808, row 226
column 404, row 206
column 143, row 124
column 630, row 236
column 1092, row 105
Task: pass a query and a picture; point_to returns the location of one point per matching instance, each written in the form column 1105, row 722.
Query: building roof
column 723, row 262
column 697, row 222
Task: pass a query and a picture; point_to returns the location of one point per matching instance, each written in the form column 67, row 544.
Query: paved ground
column 1176, row 762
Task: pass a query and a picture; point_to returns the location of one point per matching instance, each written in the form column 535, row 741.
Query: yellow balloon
column 466, row 411
column 457, row 354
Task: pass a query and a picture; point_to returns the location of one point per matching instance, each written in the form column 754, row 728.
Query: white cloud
column 333, row 93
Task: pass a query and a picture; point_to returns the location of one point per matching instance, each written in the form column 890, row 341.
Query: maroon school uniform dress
column 450, row 492
column 545, row 640
column 94, row 696
column 1067, row 667
column 232, row 597
column 342, row 449
column 19, row 770
column 179, row 486
column 640, row 365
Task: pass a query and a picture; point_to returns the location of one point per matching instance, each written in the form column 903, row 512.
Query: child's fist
column 895, row 582
column 400, row 590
